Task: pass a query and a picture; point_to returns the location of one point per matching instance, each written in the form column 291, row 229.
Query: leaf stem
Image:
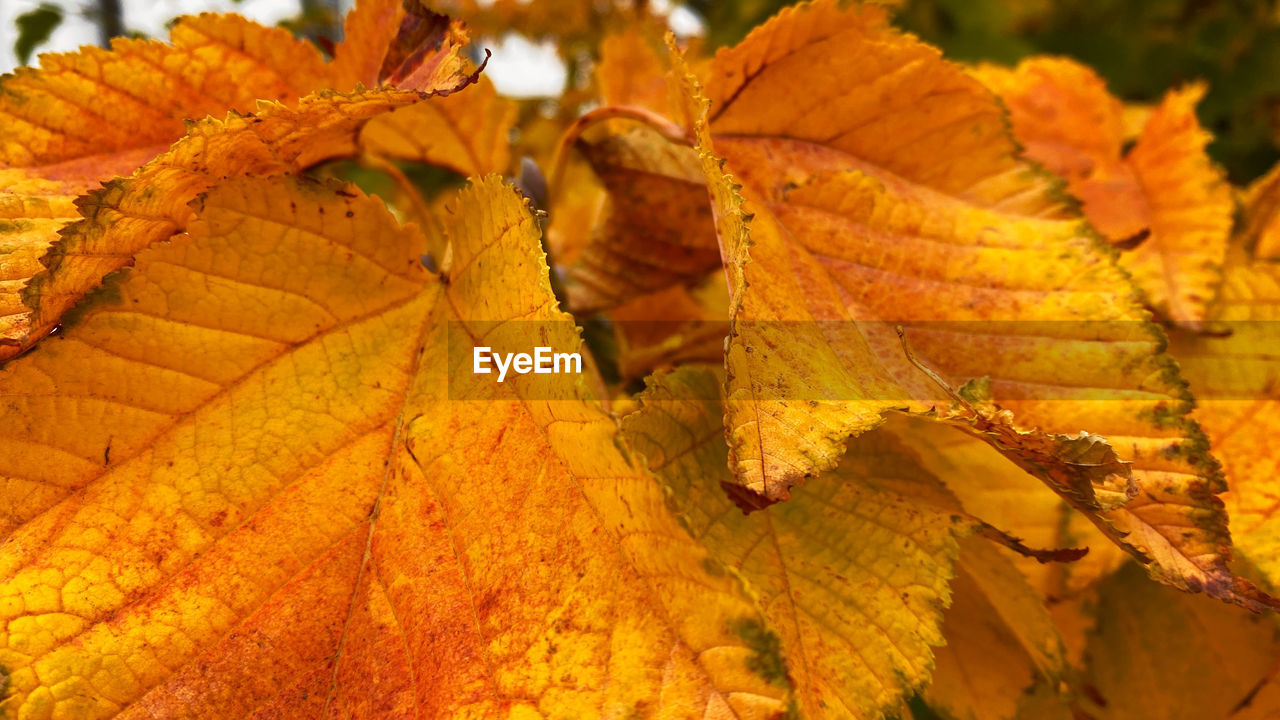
column 665, row 127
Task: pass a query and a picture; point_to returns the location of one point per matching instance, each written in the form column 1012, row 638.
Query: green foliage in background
column 34, row 28
column 1142, row 48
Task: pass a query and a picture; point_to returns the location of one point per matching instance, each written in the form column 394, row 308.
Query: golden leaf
column 991, row 486
column 301, row 513
column 129, row 214
column 1236, row 377
column 1261, row 232
column 637, row 251
column 465, row 132
column 672, row 327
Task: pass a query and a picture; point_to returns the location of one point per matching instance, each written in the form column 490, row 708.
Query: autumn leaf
column 1158, row 653
column 870, row 419
column 910, row 207
column 853, row 571
column 672, row 327
column 1164, row 195
column 58, row 143
column 1236, row 378
column 1000, row 641
column 465, row 132
column 86, row 117
column 991, row 486
column 1261, row 233
column 399, row 43
column 274, row 512
column 635, row 251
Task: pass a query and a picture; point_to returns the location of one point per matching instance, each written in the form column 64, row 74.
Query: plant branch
column 110, row 21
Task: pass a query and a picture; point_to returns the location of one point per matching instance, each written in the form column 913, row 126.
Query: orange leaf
column 637, row 251
column 1261, row 232
column 1164, row 194
column 86, row 117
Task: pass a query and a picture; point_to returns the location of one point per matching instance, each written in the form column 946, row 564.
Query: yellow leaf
column 1236, row 377
column 294, row 509
column 1180, row 265
column 990, row 486
column 137, row 94
column 1164, row 194
column 672, row 327
column 907, row 205
column 467, row 132
column 1158, row 653
column 1000, row 640
column 853, row 571
column 88, row 116
column 636, row 251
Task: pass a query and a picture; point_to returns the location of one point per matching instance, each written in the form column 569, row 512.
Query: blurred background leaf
column 34, row 28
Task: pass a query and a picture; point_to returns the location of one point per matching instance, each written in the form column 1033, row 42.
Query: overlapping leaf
column 129, row 214
column 636, row 251
column 275, row 515
column 995, row 489
column 85, row 117
column 1164, row 194
column 905, row 203
column 853, row 571
column 465, row 132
